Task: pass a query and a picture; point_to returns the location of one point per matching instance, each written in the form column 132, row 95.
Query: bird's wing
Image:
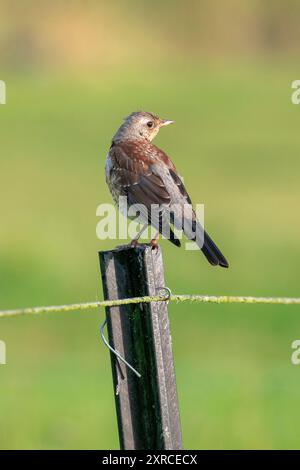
column 142, row 171
column 133, row 169
column 141, row 168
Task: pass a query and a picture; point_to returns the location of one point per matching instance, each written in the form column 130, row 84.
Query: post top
column 141, row 247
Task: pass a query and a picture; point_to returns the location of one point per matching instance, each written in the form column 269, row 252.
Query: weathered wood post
column 147, row 407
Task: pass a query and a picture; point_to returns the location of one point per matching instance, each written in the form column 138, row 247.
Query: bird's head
column 140, row 125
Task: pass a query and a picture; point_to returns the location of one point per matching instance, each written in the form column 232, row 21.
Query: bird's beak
column 165, row 122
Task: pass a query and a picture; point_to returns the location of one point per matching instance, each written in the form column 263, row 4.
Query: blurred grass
column 236, row 143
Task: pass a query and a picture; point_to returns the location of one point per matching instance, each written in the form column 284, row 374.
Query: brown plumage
column 144, row 174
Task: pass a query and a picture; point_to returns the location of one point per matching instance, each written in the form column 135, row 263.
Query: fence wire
column 225, row 299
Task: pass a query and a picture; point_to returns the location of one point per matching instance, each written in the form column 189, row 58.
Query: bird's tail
column 212, row 252
column 208, row 247
column 191, row 227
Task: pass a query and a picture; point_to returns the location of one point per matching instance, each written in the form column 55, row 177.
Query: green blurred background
column 223, row 72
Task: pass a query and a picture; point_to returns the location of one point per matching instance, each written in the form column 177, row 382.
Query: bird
column 143, row 174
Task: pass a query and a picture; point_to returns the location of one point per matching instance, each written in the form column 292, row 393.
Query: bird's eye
column 150, row 124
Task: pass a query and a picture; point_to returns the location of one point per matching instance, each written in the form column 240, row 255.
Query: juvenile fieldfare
column 143, row 174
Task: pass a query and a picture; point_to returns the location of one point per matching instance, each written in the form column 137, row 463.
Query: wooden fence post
column 147, row 407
